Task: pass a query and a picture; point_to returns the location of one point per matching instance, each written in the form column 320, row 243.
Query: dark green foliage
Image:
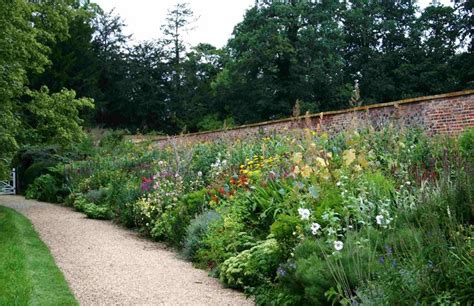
column 39, row 159
column 330, row 198
column 282, row 230
column 225, row 238
column 45, row 188
column 466, row 143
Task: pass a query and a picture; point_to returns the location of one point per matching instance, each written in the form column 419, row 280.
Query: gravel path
column 108, row 265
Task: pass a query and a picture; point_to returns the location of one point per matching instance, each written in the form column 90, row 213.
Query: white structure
column 9, row 187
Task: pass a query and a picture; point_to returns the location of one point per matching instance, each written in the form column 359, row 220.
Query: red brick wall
column 447, row 113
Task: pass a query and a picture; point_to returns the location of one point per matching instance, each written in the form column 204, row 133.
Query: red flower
column 243, row 181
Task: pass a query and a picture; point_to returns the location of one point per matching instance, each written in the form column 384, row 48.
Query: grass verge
column 28, row 273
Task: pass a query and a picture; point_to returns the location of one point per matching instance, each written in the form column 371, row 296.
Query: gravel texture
column 105, row 264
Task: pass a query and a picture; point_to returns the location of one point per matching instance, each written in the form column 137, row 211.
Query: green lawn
column 28, row 274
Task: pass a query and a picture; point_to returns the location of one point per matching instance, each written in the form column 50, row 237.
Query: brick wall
column 446, row 113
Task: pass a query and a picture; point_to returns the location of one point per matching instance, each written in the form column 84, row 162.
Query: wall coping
column 140, row 138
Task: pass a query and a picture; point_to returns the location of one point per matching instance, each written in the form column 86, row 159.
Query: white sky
column 217, row 18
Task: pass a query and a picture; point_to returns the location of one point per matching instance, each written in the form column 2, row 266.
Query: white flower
column 379, row 219
column 338, row 245
column 315, row 228
column 200, row 173
column 304, row 213
column 338, row 184
column 408, row 183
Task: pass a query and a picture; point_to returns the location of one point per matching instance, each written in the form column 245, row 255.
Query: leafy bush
column 112, row 139
column 93, row 211
column 95, row 196
column 173, row 223
column 100, row 212
column 44, row 188
column 196, row 231
column 284, row 230
column 252, row 267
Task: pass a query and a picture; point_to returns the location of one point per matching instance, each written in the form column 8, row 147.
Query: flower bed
column 300, row 218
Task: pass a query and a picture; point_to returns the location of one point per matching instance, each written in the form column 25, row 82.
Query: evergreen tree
column 178, row 21
column 110, row 45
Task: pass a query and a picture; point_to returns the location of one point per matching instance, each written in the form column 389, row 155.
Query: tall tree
column 110, row 44
column 25, row 28
column 74, row 63
column 283, row 52
column 200, row 69
column 178, row 22
column 148, row 107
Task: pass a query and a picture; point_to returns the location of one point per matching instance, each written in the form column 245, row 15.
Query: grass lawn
column 28, row 274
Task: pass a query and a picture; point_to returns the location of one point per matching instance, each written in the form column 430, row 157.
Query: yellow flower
column 297, row 158
column 296, row 170
column 306, row 171
column 321, row 162
column 362, row 161
column 349, row 156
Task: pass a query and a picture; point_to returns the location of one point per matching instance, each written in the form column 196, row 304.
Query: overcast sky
column 217, row 18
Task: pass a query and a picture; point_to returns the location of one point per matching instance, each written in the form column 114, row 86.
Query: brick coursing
column 447, row 114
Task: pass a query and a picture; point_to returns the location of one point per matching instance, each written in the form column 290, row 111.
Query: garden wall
column 448, row 113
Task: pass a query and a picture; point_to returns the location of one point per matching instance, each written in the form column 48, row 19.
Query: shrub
column 112, row 139
column 26, row 157
column 95, row 196
column 100, row 212
column 35, row 171
column 196, row 231
column 172, row 224
column 225, row 238
column 44, row 188
column 93, row 211
column 253, row 267
column 284, row 230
